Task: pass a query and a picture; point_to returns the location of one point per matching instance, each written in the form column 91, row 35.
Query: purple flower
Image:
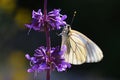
column 41, row 61
column 54, row 20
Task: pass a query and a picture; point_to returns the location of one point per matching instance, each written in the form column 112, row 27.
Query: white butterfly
column 80, row 49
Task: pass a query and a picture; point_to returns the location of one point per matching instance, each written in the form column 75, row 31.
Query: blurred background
column 97, row 19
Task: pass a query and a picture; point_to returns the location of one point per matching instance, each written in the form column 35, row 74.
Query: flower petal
column 28, row 56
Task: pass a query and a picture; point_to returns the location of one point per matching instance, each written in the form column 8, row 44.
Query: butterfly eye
column 65, row 30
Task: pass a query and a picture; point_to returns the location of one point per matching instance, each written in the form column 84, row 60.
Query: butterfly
column 80, row 49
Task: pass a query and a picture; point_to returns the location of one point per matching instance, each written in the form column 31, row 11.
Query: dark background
column 97, row 19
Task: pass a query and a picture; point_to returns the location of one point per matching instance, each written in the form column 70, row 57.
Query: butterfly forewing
column 77, row 50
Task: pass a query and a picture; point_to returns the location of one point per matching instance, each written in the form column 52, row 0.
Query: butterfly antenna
column 73, row 17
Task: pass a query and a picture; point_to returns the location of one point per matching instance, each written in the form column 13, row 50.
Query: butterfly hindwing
column 93, row 52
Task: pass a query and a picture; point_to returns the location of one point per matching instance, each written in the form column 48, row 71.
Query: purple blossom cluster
column 41, row 61
column 47, row 58
column 54, row 20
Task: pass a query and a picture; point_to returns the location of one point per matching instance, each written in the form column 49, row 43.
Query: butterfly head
column 66, row 29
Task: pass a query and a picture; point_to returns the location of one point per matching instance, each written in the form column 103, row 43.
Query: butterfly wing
column 93, row 52
column 76, row 51
column 81, row 49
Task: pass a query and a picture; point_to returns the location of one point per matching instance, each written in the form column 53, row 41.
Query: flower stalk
column 48, row 41
column 45, row 9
